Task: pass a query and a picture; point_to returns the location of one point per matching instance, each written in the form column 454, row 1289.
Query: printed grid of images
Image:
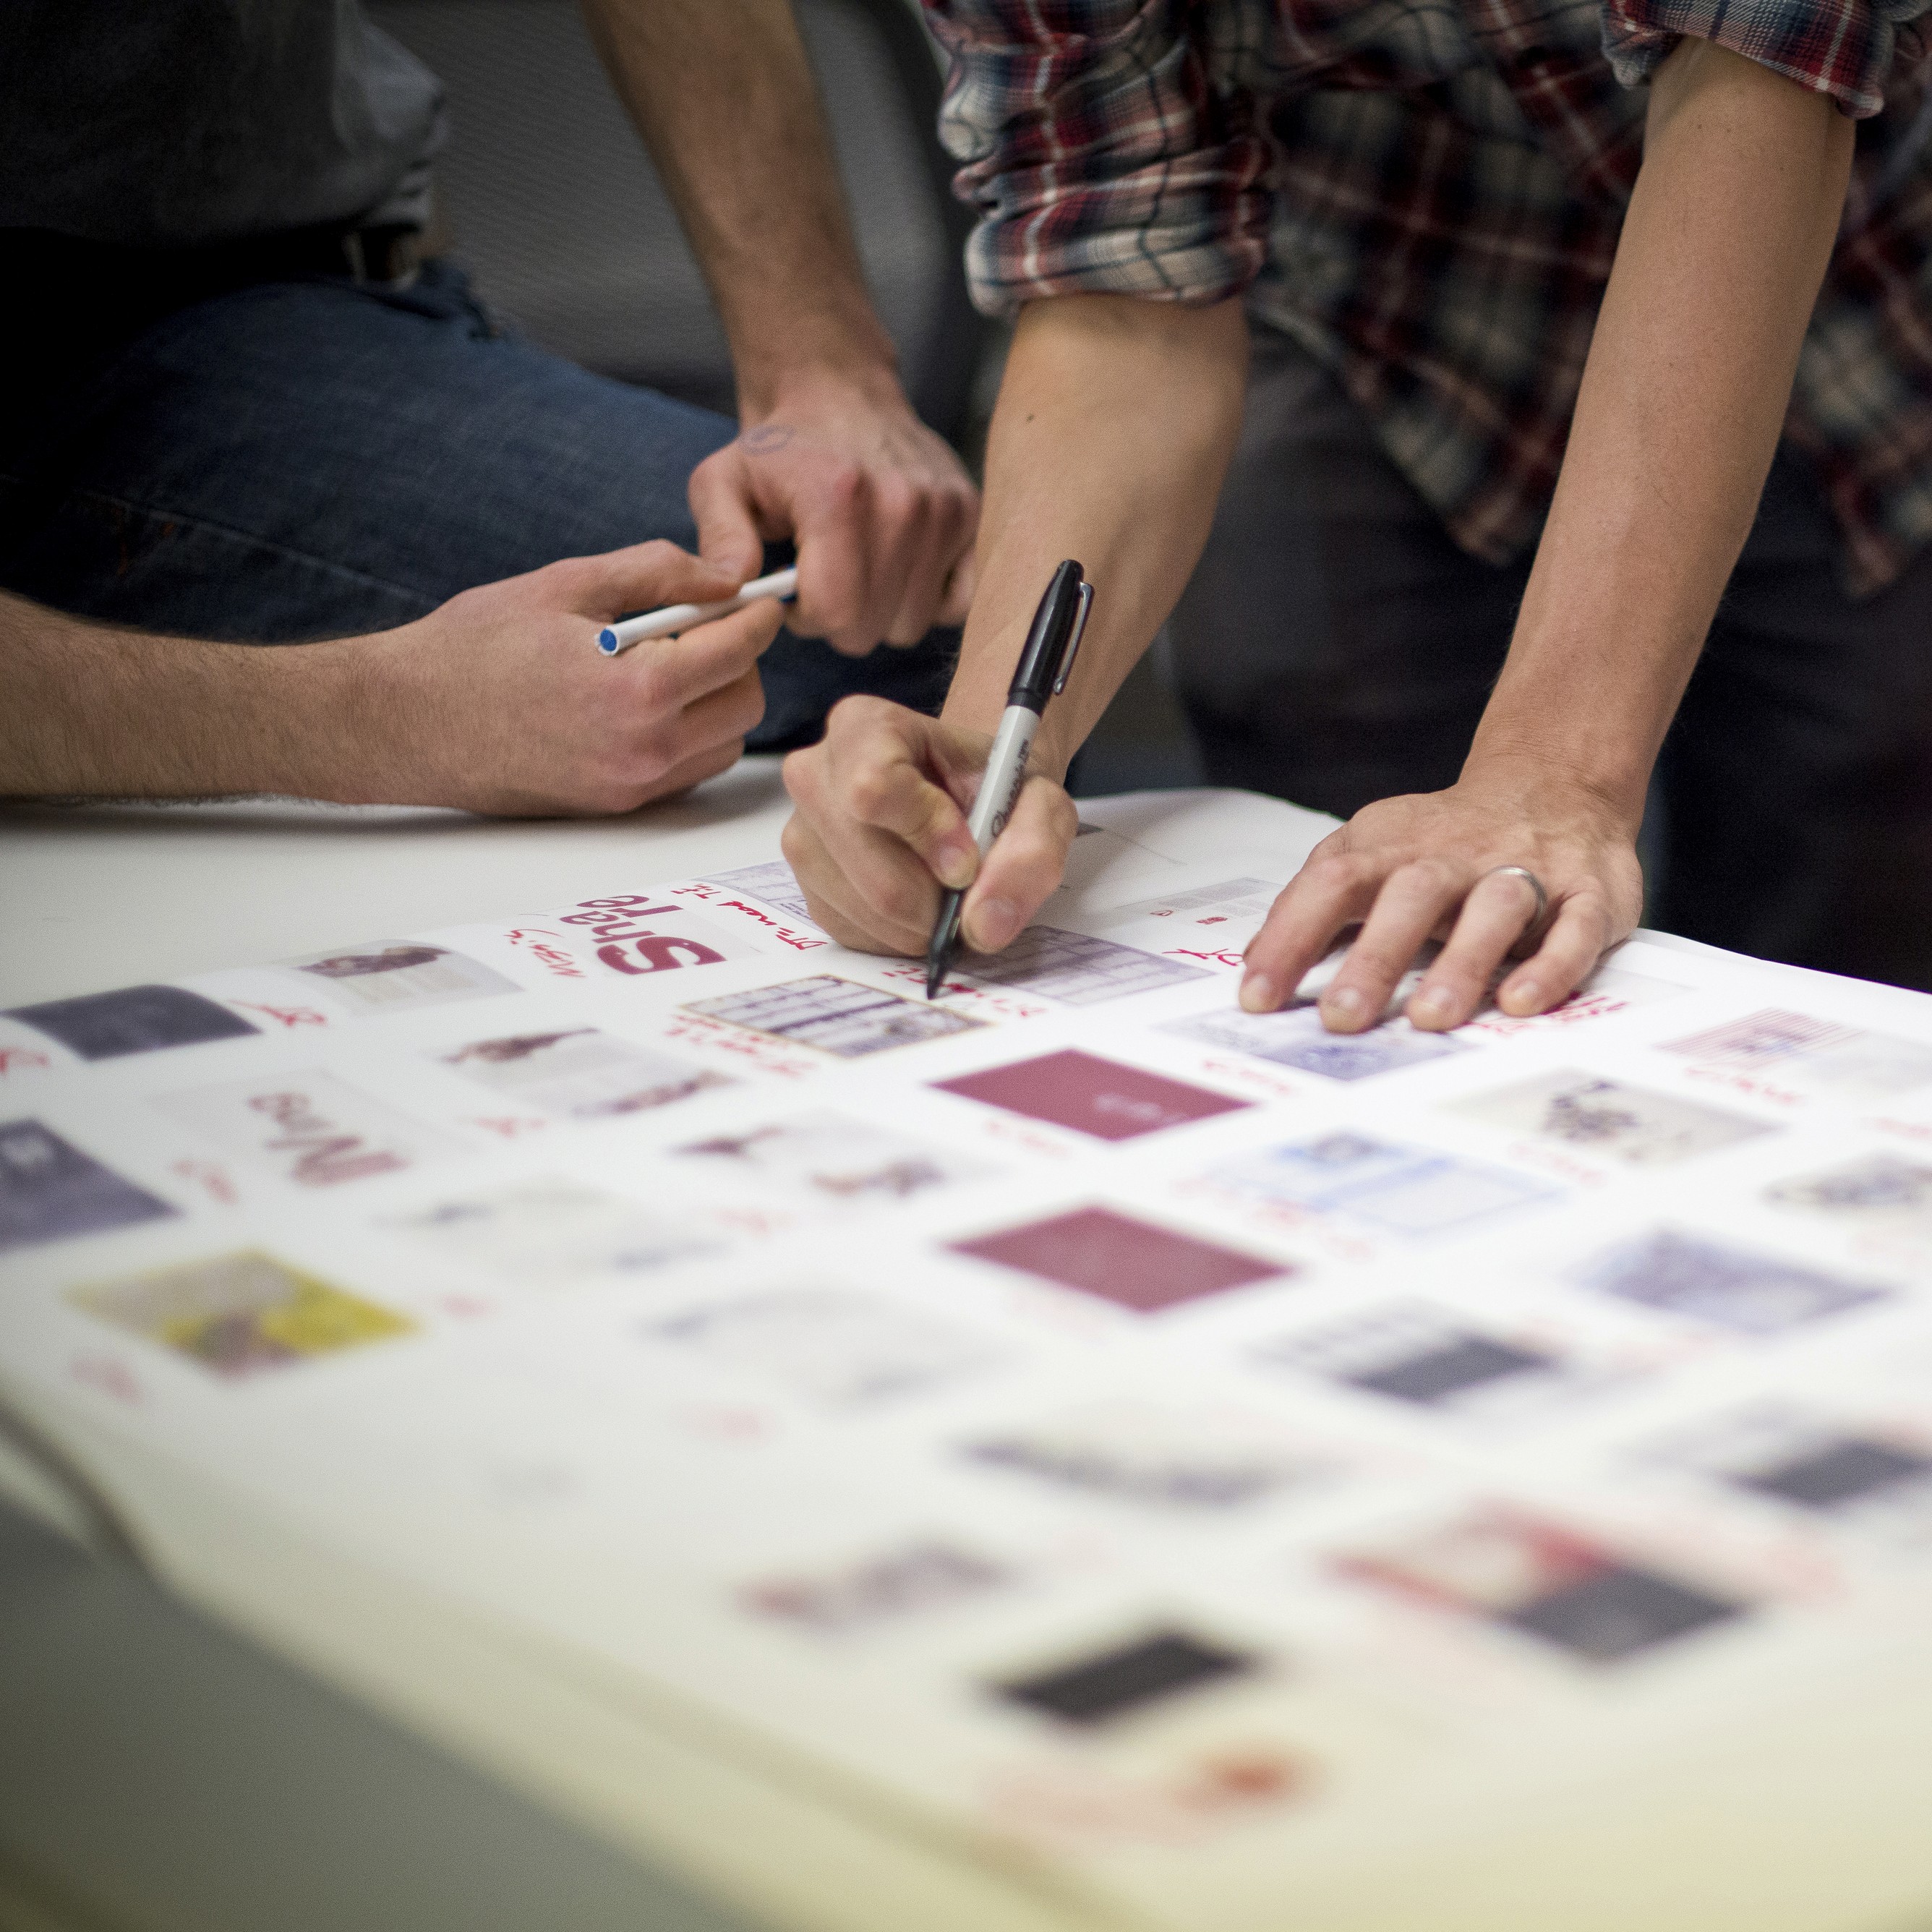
column 842, row 1345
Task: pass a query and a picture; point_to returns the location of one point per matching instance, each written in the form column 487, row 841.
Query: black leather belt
column 159, row 279
column 73, row 300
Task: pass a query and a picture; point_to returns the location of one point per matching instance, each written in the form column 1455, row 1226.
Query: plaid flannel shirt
column 1427, row 194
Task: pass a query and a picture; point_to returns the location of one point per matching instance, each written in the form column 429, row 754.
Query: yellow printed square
column 240, row 1313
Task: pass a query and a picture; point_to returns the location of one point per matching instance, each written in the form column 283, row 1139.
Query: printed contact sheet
column 1115, row 1428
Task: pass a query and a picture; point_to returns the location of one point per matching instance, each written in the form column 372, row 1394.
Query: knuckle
column 898, row 900
column 1431, row 875
column 1332, row 872
column 855, row 716
column 653, row 691
column 748, row 712
column 800, row 772
column 872, row 790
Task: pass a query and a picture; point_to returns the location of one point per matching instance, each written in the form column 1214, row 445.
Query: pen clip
column 1074, row 635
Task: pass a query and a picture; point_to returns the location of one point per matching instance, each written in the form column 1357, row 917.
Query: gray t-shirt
column 175, row 123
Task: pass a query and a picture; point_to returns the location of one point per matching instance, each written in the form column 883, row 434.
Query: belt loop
column 352, row 251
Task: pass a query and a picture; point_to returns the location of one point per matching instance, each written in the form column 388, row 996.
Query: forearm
column 93, row 711
column 1116, row 421
column 1683, row 398
column 724, row 100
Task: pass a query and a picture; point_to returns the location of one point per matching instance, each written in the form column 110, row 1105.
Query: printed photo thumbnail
column 1135, row 1265
column 1104, row 1686
column 1522, row 1572
column 912, row 1579
column 1877, row 1194
column 838, row 1016
column 830, row 1346
column 1815, row 1054
column 399, row 976
column 820, row 1159
column 241, row 1313
column 1389, row 1186
column 134, row 1019
column 1176, row 1456
column 1739, row 1289
column 1872, row 1478
column 774, row 885
column 1430, row 1359
column 1075, row 969
column 1610, row 1118
column 547, row 1233
column 1296, row 1037
column 579, row 1073
column 50, row 1191
column 1101, row 1098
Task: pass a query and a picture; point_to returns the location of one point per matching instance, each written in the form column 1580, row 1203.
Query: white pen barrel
column 1005, row 773
column 782, row 584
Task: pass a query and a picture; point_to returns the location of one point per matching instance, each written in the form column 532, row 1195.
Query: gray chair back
column 554, row 204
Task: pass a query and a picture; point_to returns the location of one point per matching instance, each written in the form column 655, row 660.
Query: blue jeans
column 1336, row 647
column 317, row 457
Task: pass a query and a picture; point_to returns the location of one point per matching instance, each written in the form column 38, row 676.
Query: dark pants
column 316, row 457
column 1336, row 647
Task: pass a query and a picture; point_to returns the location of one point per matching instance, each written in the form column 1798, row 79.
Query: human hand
column 882, row 512
column 500, row 702
column 881, row 826
column 1410, row 868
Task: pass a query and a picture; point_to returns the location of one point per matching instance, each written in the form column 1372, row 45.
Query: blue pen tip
column 606, row 643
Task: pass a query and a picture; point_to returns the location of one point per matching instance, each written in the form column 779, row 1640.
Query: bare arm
column 1116, row 421
column 498, row 700
column 1684, row 395
column 833, row 454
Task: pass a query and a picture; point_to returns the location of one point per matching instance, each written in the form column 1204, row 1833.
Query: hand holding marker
column 1041, row 674
column 782, row 584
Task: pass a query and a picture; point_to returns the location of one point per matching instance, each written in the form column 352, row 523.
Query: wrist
column 820, row 372
column 1561, row 783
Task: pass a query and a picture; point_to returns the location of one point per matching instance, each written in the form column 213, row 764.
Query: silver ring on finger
column 1535, row 885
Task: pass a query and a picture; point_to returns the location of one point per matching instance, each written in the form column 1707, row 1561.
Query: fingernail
column 958, row 860
column 995, row 922
column 1343, row 1002
column 1431, row 1003
column 1258, row 994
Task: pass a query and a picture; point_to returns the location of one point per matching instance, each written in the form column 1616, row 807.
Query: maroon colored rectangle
column 1091, row 1095
column 1133, row 1263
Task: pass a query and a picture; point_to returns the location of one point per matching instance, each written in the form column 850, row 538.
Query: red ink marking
column 287, row 1016
column 111, row 1376
column 210, row 1175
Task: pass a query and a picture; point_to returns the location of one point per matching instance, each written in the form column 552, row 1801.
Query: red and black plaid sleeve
column 1101, row 150
column 1844, row 48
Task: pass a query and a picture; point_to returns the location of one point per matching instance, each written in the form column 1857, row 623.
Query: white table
column 101, row 897
column 97, row 896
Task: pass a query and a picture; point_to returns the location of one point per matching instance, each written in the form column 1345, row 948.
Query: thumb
column 728, row 534
column 1022, row 867
column 642, row 576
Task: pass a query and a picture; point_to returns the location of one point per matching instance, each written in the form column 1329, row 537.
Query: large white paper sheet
column 1165, row 1446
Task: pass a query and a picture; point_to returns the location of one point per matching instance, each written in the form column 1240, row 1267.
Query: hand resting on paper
column 497, row 700
column 1409, row 868
column 881, row 826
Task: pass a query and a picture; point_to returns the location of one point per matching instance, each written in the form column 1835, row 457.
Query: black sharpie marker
column 1041, row 674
